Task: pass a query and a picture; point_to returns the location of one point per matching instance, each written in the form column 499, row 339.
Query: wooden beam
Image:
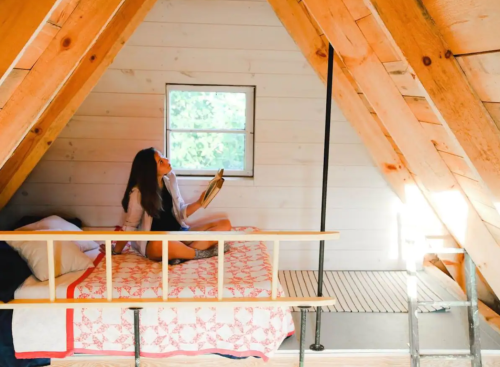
column 439, row 185
column 52, row 69
column 69, row 98
column 20, row 22
column 411, row 29
column 298, row 24
column 467, row 26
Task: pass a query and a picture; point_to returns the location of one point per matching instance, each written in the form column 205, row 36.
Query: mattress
column 235, row 331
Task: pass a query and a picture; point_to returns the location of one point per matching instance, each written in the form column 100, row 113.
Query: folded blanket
column 13, row 272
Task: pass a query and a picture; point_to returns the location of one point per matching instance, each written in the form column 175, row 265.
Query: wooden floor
column 360, row 291
column 370, row 339
column 278, row 361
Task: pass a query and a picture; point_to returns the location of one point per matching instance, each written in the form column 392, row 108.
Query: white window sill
column 203, row 181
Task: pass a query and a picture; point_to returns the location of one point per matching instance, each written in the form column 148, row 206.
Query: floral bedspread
column 236, row 331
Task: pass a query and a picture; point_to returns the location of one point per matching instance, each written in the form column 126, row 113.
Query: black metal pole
column 137, row 337
column 303, row 316
column 317, row 345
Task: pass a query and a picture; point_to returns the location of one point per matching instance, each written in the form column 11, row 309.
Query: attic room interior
column 336, row 161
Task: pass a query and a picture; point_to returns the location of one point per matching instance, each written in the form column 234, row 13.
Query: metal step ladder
column 473, row 314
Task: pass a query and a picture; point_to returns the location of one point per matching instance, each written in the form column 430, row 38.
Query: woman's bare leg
column 221, row 225
column 176, row 250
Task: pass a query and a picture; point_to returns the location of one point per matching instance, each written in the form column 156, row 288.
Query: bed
column 235, row 332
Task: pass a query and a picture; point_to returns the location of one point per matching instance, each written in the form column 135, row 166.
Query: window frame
column 249, row 90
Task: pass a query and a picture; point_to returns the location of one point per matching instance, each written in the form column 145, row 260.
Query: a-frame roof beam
column 294, row 17
column 410, row 28
column 70, row 97
column 20, row 22
column 52, row 69
column 442, row 189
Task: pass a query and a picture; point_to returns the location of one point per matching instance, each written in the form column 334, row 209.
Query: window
column 210, row 127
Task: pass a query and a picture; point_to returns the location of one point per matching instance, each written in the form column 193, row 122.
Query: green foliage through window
column 224, row 113
column 207, row 110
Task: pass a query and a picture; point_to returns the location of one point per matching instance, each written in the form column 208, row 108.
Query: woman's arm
column 193, row 207
column 132, row 218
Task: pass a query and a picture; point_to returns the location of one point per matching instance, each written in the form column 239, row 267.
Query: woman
column 153, row 202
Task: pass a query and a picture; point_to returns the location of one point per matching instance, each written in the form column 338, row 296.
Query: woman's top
column 136, row 218
column 166, row 220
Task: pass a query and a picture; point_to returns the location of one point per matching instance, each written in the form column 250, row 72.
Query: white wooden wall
column 223, row 42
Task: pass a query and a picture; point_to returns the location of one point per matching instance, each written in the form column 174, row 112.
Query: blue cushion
column 13, row 272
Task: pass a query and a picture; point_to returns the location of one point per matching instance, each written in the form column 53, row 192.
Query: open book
column 213, row 188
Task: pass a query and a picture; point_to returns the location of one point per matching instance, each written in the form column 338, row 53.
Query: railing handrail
column 171, row 302
column 165, row 237
column 174, row 236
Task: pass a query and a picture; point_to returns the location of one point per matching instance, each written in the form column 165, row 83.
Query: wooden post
column 220, row 273
column 52, row 276
column 164, row 260
column 274, row 285
column 109, row 271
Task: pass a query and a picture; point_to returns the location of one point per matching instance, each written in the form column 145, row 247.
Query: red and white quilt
column 235, row 331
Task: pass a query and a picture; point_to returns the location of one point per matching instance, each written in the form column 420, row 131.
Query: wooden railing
column 221, row 237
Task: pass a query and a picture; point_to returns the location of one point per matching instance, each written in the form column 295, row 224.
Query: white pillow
column 67, row 257
column 53, row 222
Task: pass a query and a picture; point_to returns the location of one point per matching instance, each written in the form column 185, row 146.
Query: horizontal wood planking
column 216, row 60
column 273, row 131
column 467, row 26
column 296, row 109
column 109, row 127
column 305, row 154
column 311, row 176
column 214, row 12
column 232, row 196
column 304, row 176
column 268, row 218
column 123, row 105
column 154, row 81
column 98, row 150
column 212, row 36
column 7, row 88
column 152, row 105
column 148, row 128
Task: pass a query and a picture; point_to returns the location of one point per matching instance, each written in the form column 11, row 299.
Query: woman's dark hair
column 144, row 175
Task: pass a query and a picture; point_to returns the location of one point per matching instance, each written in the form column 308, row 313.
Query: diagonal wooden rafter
column 295, row 19
column 303, row 29
column 438, row 183
column 52, row 69
column 413, row 32
column 20, row 22
column 71, row 95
